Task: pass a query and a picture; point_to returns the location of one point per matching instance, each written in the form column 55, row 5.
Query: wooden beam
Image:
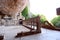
column 22, row 34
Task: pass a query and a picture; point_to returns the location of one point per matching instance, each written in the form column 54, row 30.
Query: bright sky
column 46, row 7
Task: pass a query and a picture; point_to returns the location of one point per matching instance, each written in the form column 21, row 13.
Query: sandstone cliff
column 12, row 7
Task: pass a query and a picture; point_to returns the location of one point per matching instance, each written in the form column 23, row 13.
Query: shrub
column 42, row 18
column 56, row 21
column 25, row 12
column 58, row 24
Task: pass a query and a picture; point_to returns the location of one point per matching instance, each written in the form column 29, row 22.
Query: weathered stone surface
column 10, row 32
column 12, row 7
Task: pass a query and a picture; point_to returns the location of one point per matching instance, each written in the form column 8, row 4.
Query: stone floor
column 10, row 32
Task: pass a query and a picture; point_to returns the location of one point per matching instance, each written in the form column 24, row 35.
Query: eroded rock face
column 12, row 7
